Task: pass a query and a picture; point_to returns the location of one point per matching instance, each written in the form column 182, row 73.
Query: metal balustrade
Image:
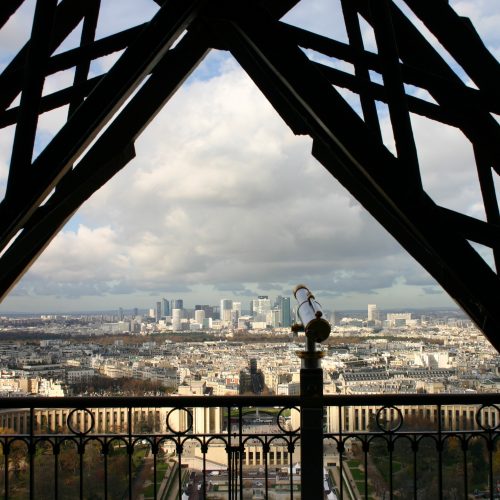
column 375, row 446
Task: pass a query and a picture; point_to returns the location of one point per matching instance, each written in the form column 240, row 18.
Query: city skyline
column 155, row 308
column 223, row 199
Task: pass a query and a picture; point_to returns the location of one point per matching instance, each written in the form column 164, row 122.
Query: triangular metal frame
column 42, row 194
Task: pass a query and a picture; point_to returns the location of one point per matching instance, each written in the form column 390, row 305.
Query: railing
column 385, row 446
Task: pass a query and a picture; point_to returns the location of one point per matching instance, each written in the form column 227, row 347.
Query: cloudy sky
column 223, row 201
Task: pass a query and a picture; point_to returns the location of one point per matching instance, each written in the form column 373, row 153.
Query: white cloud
column 222, row 193
column 223, row 198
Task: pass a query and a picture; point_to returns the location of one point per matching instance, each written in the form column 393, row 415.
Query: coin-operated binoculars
column 316, row 328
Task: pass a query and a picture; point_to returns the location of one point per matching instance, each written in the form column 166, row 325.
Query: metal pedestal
column 311, row 423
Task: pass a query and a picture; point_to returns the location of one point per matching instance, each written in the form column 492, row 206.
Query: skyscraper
column 176, row 304
column 158, row 311
column 372, row 312
column 274, row 317
column 209, row 310
column 226, row 306
column 199, row 316
column 176, row 319
column 286, row 315
column 165, row 307
column 259, row 307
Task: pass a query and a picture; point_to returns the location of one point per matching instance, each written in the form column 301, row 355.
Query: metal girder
column 82, row 67
column 420, row 76
column 361, row 68
column 84, row 124
column 111, row 152
column 462, row 41
column 384, row 184
column 67, row 16
column 33, row 80
column 476, row 123
column 7, row 9
column 147, row 53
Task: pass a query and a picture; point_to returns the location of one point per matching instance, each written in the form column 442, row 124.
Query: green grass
column 138, row 456
column 149, row 491
column 383, row 467
column 361, row 488
column 357, row 475
column 161, row 471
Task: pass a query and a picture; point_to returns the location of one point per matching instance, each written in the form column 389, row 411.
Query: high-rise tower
column 226, row 306
column 165, row 307
column 285, row 315
column 373, row 312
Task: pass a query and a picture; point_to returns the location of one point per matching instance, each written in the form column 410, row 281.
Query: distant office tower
column 120, row 314
column 199, row 316
column 273, row 317
column 176, row 319
column 216, row 312
column 176, row 304
column 259, row 307
column 235, row 313
column 158, row 311
column 226, row 306
column 373, row 312
column 136, row 312
column 398, row 319
column 209, row 310
column 285, row 312
column 277, row 302
column 165, row 307
column 235, row 316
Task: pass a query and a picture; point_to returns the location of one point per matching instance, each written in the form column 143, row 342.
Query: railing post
column 311, row 423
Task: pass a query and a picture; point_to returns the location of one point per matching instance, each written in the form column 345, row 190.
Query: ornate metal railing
column 375, row 446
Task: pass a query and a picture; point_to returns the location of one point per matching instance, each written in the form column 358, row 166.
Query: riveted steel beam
column 124, row 77
column 111, row 152
column 352, row 153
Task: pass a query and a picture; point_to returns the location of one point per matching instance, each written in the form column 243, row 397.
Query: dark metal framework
column 388, row 453
column 159, row 55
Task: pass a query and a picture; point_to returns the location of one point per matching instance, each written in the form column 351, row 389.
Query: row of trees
column 462, row 459
column 124, row 386
column 70, row 467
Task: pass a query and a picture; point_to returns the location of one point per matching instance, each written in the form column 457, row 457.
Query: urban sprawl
column 227, row 350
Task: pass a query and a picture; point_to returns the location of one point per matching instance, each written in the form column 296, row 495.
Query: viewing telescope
column 310, row 314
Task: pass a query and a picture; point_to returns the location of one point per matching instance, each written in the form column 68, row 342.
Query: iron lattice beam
column 386, row 185
column 302, row 91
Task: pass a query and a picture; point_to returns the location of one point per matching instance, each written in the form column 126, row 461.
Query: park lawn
column 357, row 475
column 383, row 467
column 353, row 463
column 149, row 491
column 361, row 488
column 161, row 470
column 139, row 454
